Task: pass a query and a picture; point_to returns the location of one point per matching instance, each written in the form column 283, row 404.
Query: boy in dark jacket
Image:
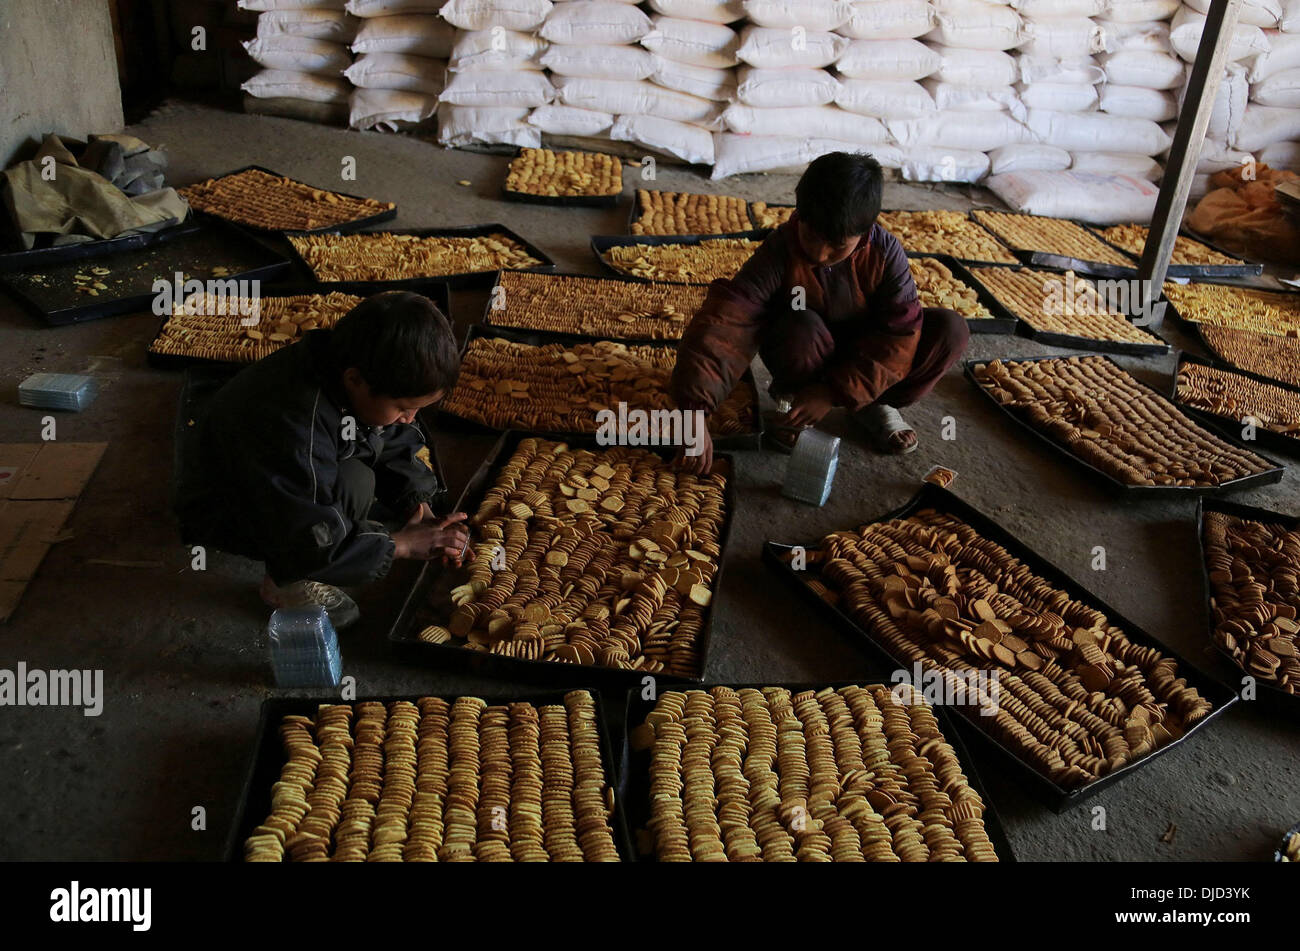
column 829, row 304
column 289, row 458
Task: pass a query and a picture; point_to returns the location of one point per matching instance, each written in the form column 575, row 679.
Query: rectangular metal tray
column 488, row 311
column 736, row 442
column 455, row 281
column 268, row 758
column 1189, row 270
column 634, row 788
column 571, row 201
column 1268, row 696
column 21, row 259
column 1278, row 442
column 436, row 290
column 965, row 261
column 1158, row 345
column 635, row 213
column 1219, row 360
column 1002, row 322
column 1059, row 798
column 602, row 243
column 355, row 225
column 149, row 251
column 1193, row 326
column 1267, row 477
column 435, row 582
column 1062, row 262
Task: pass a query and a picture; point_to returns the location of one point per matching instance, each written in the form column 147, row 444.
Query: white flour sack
column 599, row 62
column 289, row 84
column 818, row 122
column 414, row 34
column 390, row 109
column 1028, row 158
column 787, row 14
column 566, row 120
column 687, row 142
column 384, row 8
column 703, row 81
column 1097, row 132
column 712, row 11
column 1283, row 54
column 693, row 42
column 970, row 24
column 1151, row 35
column 888, row 99
column 1058, row 97
column 927, row 164
column 970, row 131
column 615, row 96
column 1265, row 13
column 1059, row 9
column 1140, row 11
column 499, row 88
column 333, row 25
column 1037, row 69
column 772, row 48
column 1138, row 102
column 1116, row 163
column 1143, row 68
column 1216, row 156
column 300, row 54
column 1265, row 125
column 260, row 5
column 496, row 49
column 470, row 125
column 602, row 22
column 949, row 97
column 739, row 154
column 397, row 71
column 1281, row 155
column 1099, row 199
column 524, row 15
column 1280, row 89
column 1185, row 36
column 987, row 68
column 888, row 20
column 1067, row 39
column 792, row 86
column 889, row 60
column 1229, row 102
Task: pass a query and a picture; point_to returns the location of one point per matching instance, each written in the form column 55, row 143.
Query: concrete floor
column 185, row 676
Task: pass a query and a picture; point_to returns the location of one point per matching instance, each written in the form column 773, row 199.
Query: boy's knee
column 356, row 488
column 949, row 331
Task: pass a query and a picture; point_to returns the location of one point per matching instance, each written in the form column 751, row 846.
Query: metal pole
column 1185, row 152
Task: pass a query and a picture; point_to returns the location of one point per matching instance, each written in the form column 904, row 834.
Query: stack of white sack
column 604, row 69
column 402, row 48
column 1270, row 130
column 302, row 48
column 495, row 77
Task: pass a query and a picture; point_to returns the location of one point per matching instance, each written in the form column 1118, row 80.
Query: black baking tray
column 1193, row 326
column 21, row 259
column 488, row 311
column 602, row 243
column 735, row 442
column 435, row 290
column 354, row 225
column 1002, row 322
column 1158, row 345
column 635, row 213
column 1219, row 360
column 1064, row 262
column 1245, row 269
column 455, row 281
column 435, row 582
column 932, row 497
column 572, row 201
column 157, row 254
column 1267, row 696
column 268, row 759
column 1291, row 833
column 1267, row 477
column 935, row 254
column 634, row 786
column 770, row 204
column 1278, row 442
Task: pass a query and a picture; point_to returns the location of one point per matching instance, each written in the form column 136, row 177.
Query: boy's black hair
column 839, row 195
column 401, row 344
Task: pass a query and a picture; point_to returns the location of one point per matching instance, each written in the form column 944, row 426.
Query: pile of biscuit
column 596, row 307
column 1266, row 354
column 1237, row 397
column 1051, row 236
column 770, row 216
column 439, row 781
column 1133, row 239
column 1103, row 416
column 1073, row 696
column 700, row 263
column 944, row 232
column 384, row 256
column 833, row 775
column 592, row 558
column 1237, row 308
column 556, row 388
column 688, row 213
column 937, row 286
column 216, row 329
column 1060, row 304
column 273, row 202
column 544, row 173
column 1254, row 572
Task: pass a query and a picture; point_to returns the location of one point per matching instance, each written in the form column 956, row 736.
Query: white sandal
column 884, row 423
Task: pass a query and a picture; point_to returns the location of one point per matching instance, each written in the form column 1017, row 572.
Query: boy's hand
column 811, row 404
column 701, row 464
column 442, row 538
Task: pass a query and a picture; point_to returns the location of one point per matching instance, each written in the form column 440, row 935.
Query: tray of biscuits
column 463, row 257
column 1289, row 850
column 562, row 386
column 1192, row 257
column 257, row 197
column 676, row 259
column 231, row 329
column 768, row 216
column 943, row 282
column 526, row 778
column 804, row 773
column 1117, row 428
column 1065, row 310
column 656, row 212
column 595, row 308
column 545, row 177
column 604, row 559
column 1233, row 308
column 1037, row 668
column 1268, row 356
column 1250, row 559
column 1268, row 411
column 946, row 233
column 1056, row 243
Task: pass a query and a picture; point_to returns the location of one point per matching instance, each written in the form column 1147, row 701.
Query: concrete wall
column 58, row 72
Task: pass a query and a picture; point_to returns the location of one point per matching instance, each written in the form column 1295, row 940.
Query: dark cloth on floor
column 269, row 474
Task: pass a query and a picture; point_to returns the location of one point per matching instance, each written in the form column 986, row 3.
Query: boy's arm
column 286, row 473
column 403, row 479
column 882, row 352
column 723, row 337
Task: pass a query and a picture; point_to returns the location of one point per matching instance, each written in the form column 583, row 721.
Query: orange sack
column 1245, row 217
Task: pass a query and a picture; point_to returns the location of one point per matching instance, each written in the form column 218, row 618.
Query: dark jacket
column 260, row 471
column 870, row 294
